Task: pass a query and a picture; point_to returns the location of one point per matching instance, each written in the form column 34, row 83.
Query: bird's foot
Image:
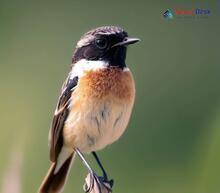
column 97, row 184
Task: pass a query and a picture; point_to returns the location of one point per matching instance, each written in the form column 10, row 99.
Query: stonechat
column 95, row 104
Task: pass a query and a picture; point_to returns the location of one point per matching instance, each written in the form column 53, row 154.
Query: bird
column 95, row 103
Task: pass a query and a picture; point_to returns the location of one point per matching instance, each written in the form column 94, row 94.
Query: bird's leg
column 83, row 159
column 94, row 179
column 105, row 176
column 92, row 174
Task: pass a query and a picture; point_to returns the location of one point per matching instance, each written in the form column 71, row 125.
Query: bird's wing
column 60, row 116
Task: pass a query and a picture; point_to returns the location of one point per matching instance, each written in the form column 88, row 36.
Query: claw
column 86, row 188
column 111, row 182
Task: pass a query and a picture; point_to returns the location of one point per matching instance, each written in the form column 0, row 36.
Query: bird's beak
column 126, row 42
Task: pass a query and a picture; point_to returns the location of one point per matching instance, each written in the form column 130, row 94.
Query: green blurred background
column 172, row 144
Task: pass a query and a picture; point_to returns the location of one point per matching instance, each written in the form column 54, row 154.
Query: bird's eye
column 101, row 43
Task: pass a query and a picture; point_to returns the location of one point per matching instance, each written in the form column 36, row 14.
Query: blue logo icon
column 168, row 14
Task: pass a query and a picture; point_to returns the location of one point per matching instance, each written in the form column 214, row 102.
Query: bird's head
column 106, row 43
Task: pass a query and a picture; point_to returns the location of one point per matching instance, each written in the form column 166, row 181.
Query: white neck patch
column 84, row 65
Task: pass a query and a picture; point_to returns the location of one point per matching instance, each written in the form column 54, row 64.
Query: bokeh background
column 172, row 144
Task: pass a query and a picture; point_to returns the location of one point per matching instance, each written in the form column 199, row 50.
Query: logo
column 192, row 11
column 187, row 13
column 168, row 14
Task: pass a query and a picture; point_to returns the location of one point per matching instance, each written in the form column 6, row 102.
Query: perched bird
column 95, row 103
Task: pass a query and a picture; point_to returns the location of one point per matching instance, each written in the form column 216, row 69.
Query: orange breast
column 104, row 82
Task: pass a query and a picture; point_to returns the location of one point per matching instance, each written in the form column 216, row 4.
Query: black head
column 106, row 43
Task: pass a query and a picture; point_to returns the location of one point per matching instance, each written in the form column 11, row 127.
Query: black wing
column 61, row 113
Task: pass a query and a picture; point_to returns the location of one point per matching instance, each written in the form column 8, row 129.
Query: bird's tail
column 54, row 183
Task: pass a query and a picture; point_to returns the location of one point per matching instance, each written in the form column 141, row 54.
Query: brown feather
column 61, row 113
column 53, row 183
